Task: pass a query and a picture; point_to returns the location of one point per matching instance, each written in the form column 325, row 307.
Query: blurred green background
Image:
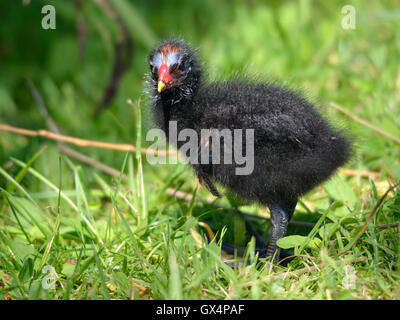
column 301, row 44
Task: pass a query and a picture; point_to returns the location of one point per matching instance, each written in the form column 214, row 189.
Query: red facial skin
column 163, row 74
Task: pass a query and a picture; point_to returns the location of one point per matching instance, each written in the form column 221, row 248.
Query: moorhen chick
column 295, row 148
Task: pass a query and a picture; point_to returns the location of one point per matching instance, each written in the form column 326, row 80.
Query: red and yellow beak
column 163, row 77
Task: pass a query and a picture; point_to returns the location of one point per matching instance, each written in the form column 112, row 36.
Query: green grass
column 126, row 237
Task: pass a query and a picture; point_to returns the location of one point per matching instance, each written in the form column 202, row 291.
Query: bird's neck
column 169, row 99
column 180, row 95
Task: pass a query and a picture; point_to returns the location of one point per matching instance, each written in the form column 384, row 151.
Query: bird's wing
column 283, row 128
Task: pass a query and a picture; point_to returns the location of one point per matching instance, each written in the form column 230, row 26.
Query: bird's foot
column 266, row 252
column 261, row 256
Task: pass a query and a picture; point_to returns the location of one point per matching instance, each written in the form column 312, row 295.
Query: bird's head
column 175, row 70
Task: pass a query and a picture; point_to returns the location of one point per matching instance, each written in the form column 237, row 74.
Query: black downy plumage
column 295, row 148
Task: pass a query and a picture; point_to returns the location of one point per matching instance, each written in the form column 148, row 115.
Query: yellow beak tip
column 161, row 86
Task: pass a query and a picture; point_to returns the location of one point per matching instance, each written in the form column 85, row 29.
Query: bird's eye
column 181, row 66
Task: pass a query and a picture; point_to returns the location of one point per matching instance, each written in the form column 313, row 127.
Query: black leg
column 266, row 249
column 280, row 216
column 261, row 243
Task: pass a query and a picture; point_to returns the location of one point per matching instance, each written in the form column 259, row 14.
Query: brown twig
column 54, row 134
column 363, row 122
column 82, row 142
column 362, row 173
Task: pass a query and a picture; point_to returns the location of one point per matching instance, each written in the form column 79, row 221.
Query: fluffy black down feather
column 295, row 148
